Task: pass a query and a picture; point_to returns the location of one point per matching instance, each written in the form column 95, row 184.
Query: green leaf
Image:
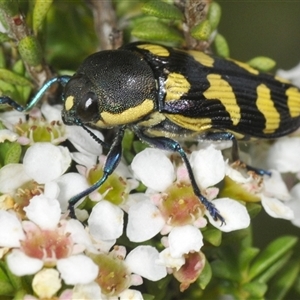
column 40, row 10
column 284, row 281
column 156, row 31
column 13, row 78
column 4, row 37
column 221, row 46
column 30, row 51
column 9, row 7
column 221, row 269
column 213, row 236
column 6, row 288
column 202, row 31
column 14, row 280
column 255, row 289
column 246, row 255
column 205, row 276
column 271, row 254
column 162, row 10
column 214, row 15
column 13, row 154
column 262, row 63
column 272, row 271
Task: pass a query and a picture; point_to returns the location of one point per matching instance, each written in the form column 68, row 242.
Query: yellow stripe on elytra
column 69, row 103
column 293, row 101
column 176, row 85
column 155, row 49
column 202, row 58
column 195, row 124
column 220, row 89
column 266, row 106
column 129, row 115
column 245, row 67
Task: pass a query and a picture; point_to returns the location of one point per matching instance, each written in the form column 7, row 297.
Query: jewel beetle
column 164, row 94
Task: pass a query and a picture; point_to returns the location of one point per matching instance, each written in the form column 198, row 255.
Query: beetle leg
column 171, row 145
column 112, row 160
column 228, row 136
column 7, row 100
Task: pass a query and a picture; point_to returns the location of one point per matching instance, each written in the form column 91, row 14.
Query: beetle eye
column 88, row 108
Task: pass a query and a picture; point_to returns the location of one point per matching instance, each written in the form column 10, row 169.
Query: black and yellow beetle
column 163, row 94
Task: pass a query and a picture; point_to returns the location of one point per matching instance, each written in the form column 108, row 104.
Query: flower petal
column 82, row 141
column 284, row 155
column 144, row 221
column 20, row 264
column 276, row 208
column 169, row 261
column 130, row 295
column 46, row 283
column 43, row 211
column 208, row 166
column 154, row 169
column 294, row 204
column 142, row 260
column 184, row 239
column 11, row 231
column 90, row 291
column 77, row 269
column 274, row 186
column 106, row 221
column 45, row 162
column 235, row 214
column 70, row 184
column 15, row 171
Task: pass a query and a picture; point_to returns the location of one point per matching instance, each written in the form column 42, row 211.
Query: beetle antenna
column 98, row 140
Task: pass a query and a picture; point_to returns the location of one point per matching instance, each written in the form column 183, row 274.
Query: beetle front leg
column 7, row 100
column 112, row 160
column 228, row 136
column 171, row 145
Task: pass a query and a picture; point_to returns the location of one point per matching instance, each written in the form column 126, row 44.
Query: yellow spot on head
column 155, row 49
column 202, row 58
column 69, row 102
column 265, row 104
column 293, row 101
column 176, row 85
column 220, row 89
column 130, row 115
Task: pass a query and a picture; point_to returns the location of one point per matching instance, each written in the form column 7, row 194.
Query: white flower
column 143, row 260
column 292, row 75
column 283, row 155
column 144, row 221
column 154, row 169
column 208, row 166
column 106, row 221
column 7, row 135
column 11, row 232
column 276, row 209
column 184, row 239
column 294, row 204
column 235, row 215
column 47, row 241
column 46, row 283
column 90, row 291
column 45, row 162
column 166, row 259
column 77, row 269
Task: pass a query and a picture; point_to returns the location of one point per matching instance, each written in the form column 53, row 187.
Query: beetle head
column 110, row 88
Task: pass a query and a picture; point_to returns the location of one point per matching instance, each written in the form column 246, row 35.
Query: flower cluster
column 161, row 225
